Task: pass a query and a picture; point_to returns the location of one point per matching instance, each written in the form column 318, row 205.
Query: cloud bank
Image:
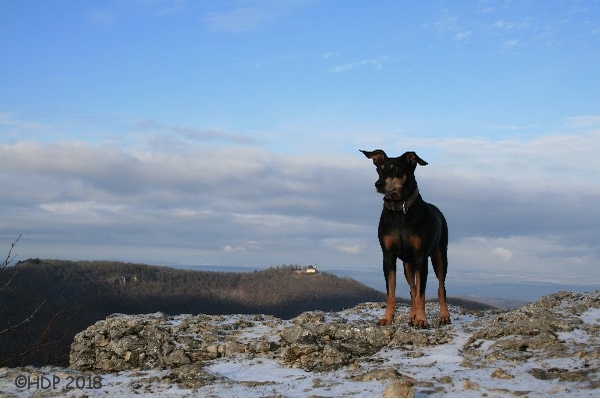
column 524, row 206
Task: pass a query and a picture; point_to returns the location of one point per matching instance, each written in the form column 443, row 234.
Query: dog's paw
column 419, row 323
column 445, row 320
column 385, row 322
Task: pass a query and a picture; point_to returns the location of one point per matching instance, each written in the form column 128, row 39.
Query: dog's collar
column 397, row 205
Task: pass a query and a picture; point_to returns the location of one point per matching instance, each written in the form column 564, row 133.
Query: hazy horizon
column 476, row 285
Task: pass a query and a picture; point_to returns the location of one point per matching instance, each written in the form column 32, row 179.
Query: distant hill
column 77, row 294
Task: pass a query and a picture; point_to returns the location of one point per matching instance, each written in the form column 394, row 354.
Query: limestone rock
column 399, row 389
column 555, row 339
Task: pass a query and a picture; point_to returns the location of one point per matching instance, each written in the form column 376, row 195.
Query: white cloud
column 502, row 24
column 503, row 253
column 377, row 63
column 80, row 208
column 511, row 127
column 464, row 35
column 229, row 248
column 348, row 245
column 508, row 27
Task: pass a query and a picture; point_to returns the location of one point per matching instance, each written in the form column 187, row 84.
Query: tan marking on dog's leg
column 409, row 273
column 420, row 319
column 444, row 313
column 390, row 309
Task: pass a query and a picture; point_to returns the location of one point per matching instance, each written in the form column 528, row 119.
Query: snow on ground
column 438, row 370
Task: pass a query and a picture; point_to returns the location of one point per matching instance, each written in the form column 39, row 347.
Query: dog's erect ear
column 377, row 156
column 413, row 159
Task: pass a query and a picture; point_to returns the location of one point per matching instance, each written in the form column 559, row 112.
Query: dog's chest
column 400, row 235
column 404, row 244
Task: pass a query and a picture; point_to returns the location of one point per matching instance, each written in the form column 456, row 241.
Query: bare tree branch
column 6, row 262
column 27, row 320
column 10, row 257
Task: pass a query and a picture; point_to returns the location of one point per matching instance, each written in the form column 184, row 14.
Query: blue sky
column 227, row 132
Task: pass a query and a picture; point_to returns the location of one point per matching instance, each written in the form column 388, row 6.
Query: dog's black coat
column 413, row 231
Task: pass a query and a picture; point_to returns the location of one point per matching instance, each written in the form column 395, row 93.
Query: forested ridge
column 73, row 295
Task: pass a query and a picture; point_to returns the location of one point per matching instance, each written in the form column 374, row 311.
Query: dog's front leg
column 409, row 273
column 389, row 271
column 420, row 320
column 417, row 281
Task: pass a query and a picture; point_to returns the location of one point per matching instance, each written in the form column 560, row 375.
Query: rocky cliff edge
column 550, row 347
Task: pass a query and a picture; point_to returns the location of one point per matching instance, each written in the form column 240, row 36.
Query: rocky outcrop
column 560, row 334
column 313, row 341
column 555, row 340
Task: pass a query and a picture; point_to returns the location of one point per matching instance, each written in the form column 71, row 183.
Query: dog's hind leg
column 439, row 259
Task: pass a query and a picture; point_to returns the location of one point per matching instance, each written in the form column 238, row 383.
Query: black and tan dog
column 412, row 230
